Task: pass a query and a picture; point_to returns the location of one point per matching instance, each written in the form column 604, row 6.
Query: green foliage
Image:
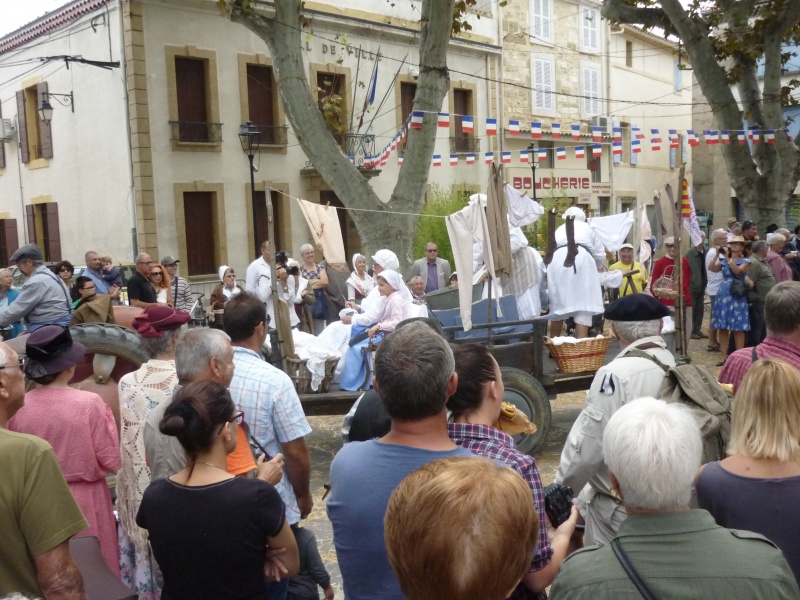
column 334, row 110
column 537, row 233
column 441, row 201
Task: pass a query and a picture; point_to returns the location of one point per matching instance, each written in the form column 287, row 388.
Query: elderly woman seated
column 397, row 308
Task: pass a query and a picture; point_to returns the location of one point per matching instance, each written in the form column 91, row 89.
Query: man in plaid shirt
column 783, row 335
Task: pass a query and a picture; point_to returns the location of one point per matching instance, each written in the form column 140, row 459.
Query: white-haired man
column 653, row 450
column 636, row 321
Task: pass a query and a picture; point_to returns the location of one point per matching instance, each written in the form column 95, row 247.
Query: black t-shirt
column 140, row 288
column 210, row 541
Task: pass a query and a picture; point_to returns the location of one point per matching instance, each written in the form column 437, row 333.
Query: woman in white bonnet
column 575, row 291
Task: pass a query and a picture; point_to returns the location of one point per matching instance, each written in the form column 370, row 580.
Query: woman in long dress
column 575, row 291
column 78, row 425
column 398, row 308
column 140, row 392
column 730, row 312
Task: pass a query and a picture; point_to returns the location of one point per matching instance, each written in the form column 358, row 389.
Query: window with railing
column 262, row 105
column 197, row 132
column 191, row 83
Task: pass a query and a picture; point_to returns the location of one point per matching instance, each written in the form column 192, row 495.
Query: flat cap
column 31, row 251
column 169, row 260
column 670, row 241
column 636, row 307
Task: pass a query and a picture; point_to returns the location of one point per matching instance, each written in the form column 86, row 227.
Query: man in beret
column 43, row 300
column 636, row 323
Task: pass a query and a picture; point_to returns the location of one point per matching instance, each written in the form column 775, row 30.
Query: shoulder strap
column 625, row 561
column 640, row 354
column 63, row 287
column 755, row 354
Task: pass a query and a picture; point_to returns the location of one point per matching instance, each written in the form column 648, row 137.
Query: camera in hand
column 282, row 259
column 558, row 503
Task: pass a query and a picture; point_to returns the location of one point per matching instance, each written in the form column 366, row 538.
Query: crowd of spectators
column 213, row 469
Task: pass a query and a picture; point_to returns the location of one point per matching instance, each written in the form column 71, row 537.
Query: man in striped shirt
column 783, row 335
column 181, row 290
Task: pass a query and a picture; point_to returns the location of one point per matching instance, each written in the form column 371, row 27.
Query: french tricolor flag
column 769, row 136
column 367, row 162
column 467, row 124
column 416, row 119
column 513, row 127
column 692, row 138
column 576, row 132
column 488, row 157
column 756, row 135
column 561, row 153
column 542, row 155
column 399, row 159
column 506, row 157
column 536, row 130
column 444, row 120
column 470, row 159
column 437, row 160
column 394, row 144
column 617, row 131
column 523, row 156
column 616, row 148
column 750, row 132
column 638, row 133
column 707, row 136
column 740, row 137
column 673, row 138
column 580, row 151
column 454, row 160
column 491, row 126
column 655, row 144
column 724, row 137
column 636, row 146
column 597, row 150
column 597, row 134
column 656, row 136
column 555, row 131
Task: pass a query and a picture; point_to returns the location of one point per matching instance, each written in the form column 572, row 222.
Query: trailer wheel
column 103, row 338
column 528, row 395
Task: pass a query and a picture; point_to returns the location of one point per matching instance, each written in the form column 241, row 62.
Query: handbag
column 738, row 288
column 630, row 571
column 319, row 310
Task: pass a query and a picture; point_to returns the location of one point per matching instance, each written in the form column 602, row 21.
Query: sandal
column 714, row 348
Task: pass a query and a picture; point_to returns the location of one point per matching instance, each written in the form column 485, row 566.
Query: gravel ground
column 326, row 439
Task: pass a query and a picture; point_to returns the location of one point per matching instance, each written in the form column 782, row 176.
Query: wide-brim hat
column 155, row 320
column 50, row 350
column 737, row 238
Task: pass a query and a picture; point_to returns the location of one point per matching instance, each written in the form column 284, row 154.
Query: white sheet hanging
column 613, row 229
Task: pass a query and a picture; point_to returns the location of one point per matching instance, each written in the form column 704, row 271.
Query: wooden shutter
column 23, row 129
column 51, row 232
column 190, row 81
column 2, row 149
column 45, row 133
column 9, row 241
column 198, row 211
column 541, row 18
column 30, row 218
column 591, row 91
column 590, row 21
column 259, row 201
column 407, row 93
column 277, row 216
column 543, row 83
column 261, row 100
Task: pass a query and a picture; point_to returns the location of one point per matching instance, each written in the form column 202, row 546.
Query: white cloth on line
column 464, row 228
column 613, row 229
column 323, row 221
column 521, row 209
column 645, row 233
column 610, row 279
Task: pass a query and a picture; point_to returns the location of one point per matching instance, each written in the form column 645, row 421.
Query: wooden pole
column 276, row 342
column 682, row 341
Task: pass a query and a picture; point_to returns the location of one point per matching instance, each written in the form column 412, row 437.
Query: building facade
column 150, row 159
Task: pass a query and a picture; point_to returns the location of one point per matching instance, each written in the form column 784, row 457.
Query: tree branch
column 618, row 12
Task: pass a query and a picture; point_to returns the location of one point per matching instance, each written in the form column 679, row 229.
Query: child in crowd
column 303, row 586
column 110, row 273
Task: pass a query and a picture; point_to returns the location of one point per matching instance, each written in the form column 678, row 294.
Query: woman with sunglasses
column 160, row 279
column 65, row 271
column 214, row 535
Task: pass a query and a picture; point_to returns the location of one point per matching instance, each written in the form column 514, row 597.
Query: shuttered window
column 261, row 101
column 35, row 137
column 260, row 212
column 43, row 229
column 2, row 154
column 462, row 105
column 541, row 12
column 543, row 84
column 198, row 211
column 190, row 83
column 407, row 92
column 9, row 241
column 591, row 91
column 590, row 29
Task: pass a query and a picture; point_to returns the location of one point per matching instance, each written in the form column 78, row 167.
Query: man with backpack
column 636, row 322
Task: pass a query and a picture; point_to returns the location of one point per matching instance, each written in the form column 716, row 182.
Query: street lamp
column 533, row 158
column 249, row 136
column 45, row 109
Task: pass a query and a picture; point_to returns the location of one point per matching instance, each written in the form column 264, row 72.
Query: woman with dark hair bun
column 475, row 409
column 213, row 534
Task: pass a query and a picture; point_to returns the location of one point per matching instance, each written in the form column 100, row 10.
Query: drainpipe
column 131, row 190
column 612, row 199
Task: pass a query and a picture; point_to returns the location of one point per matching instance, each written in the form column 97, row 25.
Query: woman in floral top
column 317, row 280
column 475, row 408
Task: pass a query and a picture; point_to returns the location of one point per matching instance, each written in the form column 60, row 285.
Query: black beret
column 636, row 307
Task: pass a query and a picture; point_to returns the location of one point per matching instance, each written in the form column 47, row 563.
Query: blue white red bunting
column 617, row 148
column 513, row 127
column 555, row 130
column 674, row 140
column 576, row 132
column 536, row 130
column 770, row 136
column 437, row 160
column 506, row 157
column 740, row 137
column 580, row 151
column 399, row 159
column 467, row 124
column 488, row 157
column 724, row 137
column 491, row 126
column 470, row 159
column 444, row 120
column 416, row 119
column 597, row 134
column 617, row 134
column 638, row 133
column 541, row 155
column 597, row 150
column 692, row 138
column 454, row 160
column 523, row 156
column 636, row 146
column 561, row 153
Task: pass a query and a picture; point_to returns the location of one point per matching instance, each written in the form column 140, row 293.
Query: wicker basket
column 666, row 287
column 586, row 355
column 297, row 370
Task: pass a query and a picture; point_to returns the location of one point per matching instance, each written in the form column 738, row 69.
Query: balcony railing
column 273, row 135
column 465, row 144
column 356, row 144
column 194, row 132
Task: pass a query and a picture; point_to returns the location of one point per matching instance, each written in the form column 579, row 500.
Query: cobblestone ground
column 326, row 440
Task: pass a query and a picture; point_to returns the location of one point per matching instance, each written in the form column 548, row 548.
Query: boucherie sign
column 551, row 182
